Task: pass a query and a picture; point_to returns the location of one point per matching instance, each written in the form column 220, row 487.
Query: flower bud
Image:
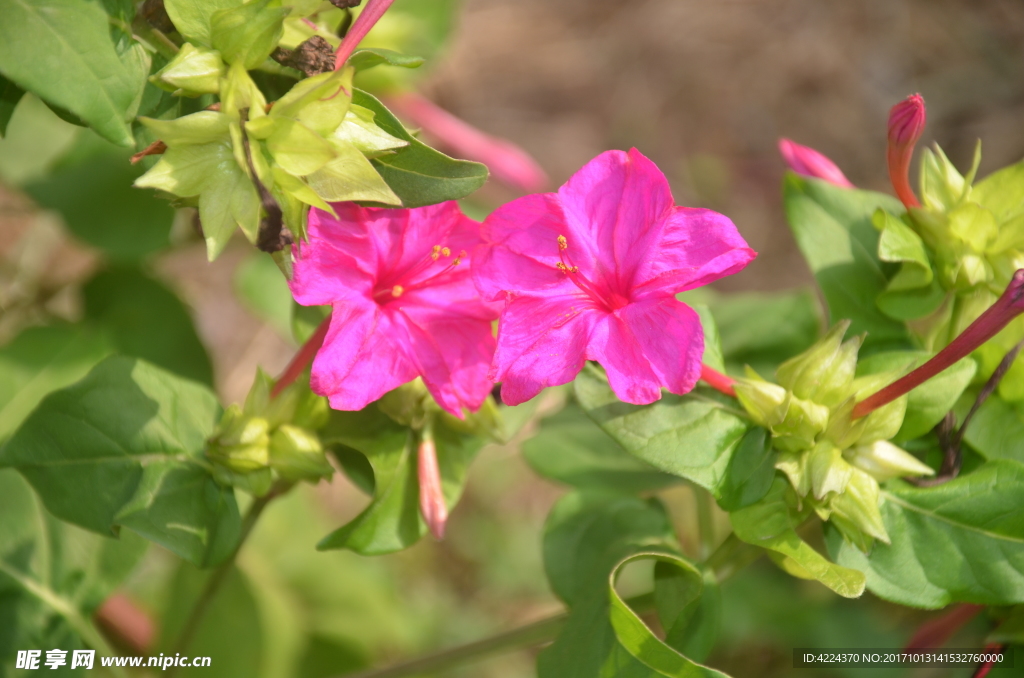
column 856, row 513
column 240, row 443
column 906, row 122
column 432, row 505
column 192, row 71
column 800, row 424
column 296, row 454
column 942, row 186
column 882, row 461
column 823, row 373
column 829, row 472
column 761, row 399
column 808, row 162
column 409, row 404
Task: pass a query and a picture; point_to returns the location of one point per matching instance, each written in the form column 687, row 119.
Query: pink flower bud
column 508, row 163
column 808, row 162
column 432, row 505
column 989, row 324
column 370, row 15
column 906, row 122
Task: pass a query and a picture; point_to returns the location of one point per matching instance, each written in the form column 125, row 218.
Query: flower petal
column 360, row 360
column 542, row 341
column 697, row 246
column 520, row 248
column 323, row 274
column 619, row 199
column 647, row 346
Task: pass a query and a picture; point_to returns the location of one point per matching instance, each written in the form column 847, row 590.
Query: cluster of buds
column 833, row 459
column 270, row 438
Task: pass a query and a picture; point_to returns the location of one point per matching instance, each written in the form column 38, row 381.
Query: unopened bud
column 432, row 506
column 192, row 71
column 823, row 373
column 409, row 404
column 808, row 162
column 296, row 454
column 240, row 443
column 855, row 512
column 906, row 122
column 882, row 461
column 829, row 472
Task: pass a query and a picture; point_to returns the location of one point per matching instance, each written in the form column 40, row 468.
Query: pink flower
column 404, row 304
column 591, row 273
column 508, row 163
column 808, row 162
column 906, row 122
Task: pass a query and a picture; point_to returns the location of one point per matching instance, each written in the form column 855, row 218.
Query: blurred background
column 705, row 89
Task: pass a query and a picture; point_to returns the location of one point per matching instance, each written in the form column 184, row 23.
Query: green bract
column 833, row 462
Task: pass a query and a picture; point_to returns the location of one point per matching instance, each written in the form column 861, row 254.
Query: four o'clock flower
column 591, row 273
column 906, row 122
column 403, row 301
column 808, row 162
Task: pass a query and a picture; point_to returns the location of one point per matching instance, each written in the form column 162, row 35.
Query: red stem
column 983, row 670
column 936, row 632
column 899, row 175
column 302, row 358
column 988, row 324
column 370, row 15
column 717, row 380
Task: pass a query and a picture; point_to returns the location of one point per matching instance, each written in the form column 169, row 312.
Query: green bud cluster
column 270, row 438
column 308, row 149
column 958, row 252
column 833, row 462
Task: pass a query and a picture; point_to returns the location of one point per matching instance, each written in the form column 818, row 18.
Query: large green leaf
column 692, row 436
column 833, row 228
column 61, row 50
column 146, row 320
column 41, row 360
column 997, row 430
column 52, row 575
column 771, row 524
column 418, row 174
column 962, row 541
column 913, row 292
column 574, row 450
column 192, row 18
column 392, row 521
column 589, row 538
column 124, row 447
column 97, row 202
column 10, row 95
column 928, row 403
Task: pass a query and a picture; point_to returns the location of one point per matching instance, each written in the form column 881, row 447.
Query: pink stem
column 370, row 15
column 124, row 622
column 717, row 380
column 302, row 359
column 937, row 632
column 988, row 324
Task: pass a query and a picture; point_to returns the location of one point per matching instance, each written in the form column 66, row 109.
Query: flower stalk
column 722, row 383
column 302, row 358
column 366, row 20
column 988, row 324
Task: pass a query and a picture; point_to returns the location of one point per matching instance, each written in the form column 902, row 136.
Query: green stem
column 213, row 584
column 728, row 559
column 705, row 521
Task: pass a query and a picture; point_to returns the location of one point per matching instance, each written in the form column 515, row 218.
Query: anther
column 563, row 243
column 447, row 252
column 397, row 290
column 436, row 252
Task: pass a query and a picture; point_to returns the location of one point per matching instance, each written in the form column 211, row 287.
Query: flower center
column 609, row 298
column 392, row 287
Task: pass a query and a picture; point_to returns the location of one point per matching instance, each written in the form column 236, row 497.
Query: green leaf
column 692, row 436
column 96, row 199
column 247, row 33
column 751, row 471
column 261, row 287
column 192, row 17
column 913, row 292
column 41, row 360
column 997, row 430
column 1001, row 193
column 418, row 174
column 36, row 139
column 392, row 521
column 574, row 450
column 10, row 95
column 928, row 403
column 124, row 447
column 146, row 320
column 589, row 538
column 833, row 228
column 61, row 50
column 232, row 630
column 368, row 58
column 53, row 576
column 962, row 541
column 771, row 524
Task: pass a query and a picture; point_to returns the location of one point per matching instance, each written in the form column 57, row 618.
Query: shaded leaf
column 10, row 95
column 997, row 430
column 368, row 58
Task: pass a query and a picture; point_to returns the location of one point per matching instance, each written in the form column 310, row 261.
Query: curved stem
column 302, row 358
column 370, row 15
column 722, row 383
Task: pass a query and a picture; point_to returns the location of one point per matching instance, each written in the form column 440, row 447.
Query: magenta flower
column 591, row 273
column 808, row 162
column 404, row 304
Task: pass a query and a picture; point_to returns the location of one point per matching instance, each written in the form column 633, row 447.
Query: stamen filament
column 988, row 324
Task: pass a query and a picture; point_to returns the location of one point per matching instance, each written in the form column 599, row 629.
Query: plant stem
column 995, row 318
column 213, row 584
column 718, row 381
column 303, row 358
column 371, row 14
column 705, row 521
column 728, row 559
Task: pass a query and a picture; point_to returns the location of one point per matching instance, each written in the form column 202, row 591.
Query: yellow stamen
column 563, row 243
column 397, row 290
column 436, row 252
column 446, row 252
